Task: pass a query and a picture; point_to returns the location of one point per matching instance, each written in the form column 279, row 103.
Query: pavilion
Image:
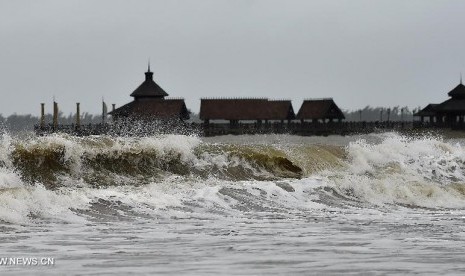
column 323, row 110
column 149, row 104
column 246, row 109
column 447, row 113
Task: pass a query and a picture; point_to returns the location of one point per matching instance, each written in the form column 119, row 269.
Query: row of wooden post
column 55, row 115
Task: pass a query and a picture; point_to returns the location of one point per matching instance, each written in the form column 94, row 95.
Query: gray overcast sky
column 378, row 53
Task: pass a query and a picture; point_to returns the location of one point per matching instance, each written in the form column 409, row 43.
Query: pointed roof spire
column 149, row 88
column 148, row 74
column 459, row 91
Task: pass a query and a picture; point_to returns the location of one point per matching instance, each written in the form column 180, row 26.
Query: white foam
column 402, row 170
column 19, row 205
column 426, row 172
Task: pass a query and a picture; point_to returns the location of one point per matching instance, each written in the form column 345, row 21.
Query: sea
column 377, row 204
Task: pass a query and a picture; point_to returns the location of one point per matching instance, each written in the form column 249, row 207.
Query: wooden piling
column 78, row 116
column 55, row 115
column 42, row 115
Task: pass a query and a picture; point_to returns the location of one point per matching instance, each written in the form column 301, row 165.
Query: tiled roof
column 159, row 109
column 320, row 109
column 245, row 109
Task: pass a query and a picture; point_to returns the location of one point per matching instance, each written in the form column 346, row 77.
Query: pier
column 208, row 130
column 152, row 112
column 304, row 129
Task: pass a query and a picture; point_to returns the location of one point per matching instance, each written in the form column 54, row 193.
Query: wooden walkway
column 293, row 128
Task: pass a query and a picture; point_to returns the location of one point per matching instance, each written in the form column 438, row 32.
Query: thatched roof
column 429, row 110
column 280, row 110
column 153, row 109
column 149, row 89
column 451, row 105
column 245, row 109
column 458, row 92
column 454, row 105
column 319, row 109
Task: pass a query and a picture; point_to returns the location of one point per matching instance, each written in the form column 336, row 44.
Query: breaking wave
column 103, row 161
column 81, row 178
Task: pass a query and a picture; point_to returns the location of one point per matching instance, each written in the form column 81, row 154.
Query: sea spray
column 64, row 177
column 423, row 172
column 259, row 204
column 48, row 159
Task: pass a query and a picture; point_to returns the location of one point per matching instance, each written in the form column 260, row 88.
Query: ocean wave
column 422, row 172
column 75, row 178
column 102, row 161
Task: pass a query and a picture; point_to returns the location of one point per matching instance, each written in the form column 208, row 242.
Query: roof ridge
column 317, row 99
column 232, row 98
column 280, row 100
column 174, row 98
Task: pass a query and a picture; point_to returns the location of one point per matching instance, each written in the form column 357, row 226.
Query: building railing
column 305, row 128
column 214, row 129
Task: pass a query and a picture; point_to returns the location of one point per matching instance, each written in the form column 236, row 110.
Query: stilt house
column 235, row 110
column 150, row 104
column 447, row 113
column 322, row 110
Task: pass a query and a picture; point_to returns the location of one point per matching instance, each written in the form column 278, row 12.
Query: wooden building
column 447, row 113
column 235, row 110
column 320, row 110
column 150, row 104
column 428, row 112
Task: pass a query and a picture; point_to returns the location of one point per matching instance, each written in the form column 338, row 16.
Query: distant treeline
column 16, row 123
column 373, row 114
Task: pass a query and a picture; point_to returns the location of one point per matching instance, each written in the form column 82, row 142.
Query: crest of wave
column 401, row 170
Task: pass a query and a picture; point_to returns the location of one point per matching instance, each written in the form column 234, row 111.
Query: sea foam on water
column 423, row 172
column 189, row 194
